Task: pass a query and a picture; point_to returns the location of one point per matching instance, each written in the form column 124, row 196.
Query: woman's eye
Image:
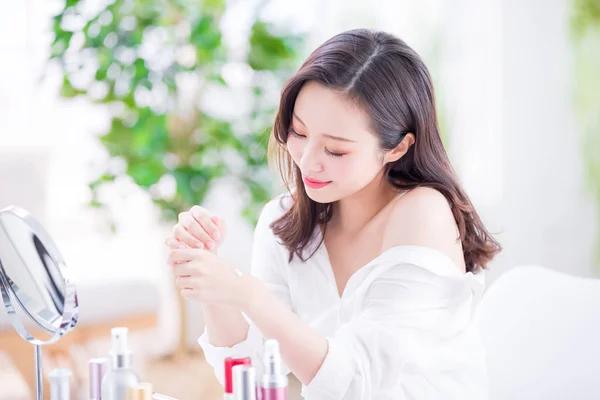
column 329, row 153
column 296, row 134
column 332, row 154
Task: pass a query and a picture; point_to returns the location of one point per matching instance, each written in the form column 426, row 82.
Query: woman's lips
column 315, row 184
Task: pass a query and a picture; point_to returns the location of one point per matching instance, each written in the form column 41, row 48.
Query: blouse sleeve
column 267, row 264
column 406, row 335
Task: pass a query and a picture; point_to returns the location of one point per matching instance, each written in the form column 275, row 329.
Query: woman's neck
column 352, row 213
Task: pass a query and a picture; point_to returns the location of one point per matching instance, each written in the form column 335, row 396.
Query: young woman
column 366, row 270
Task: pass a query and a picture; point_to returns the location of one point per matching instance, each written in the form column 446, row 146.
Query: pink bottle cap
column 229, row 364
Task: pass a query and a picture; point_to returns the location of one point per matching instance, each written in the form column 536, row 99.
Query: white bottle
column 120, row 376
column 244, row 382
column 60, row 384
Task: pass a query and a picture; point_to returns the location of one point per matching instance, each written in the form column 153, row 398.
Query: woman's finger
column 173, row 243
column 203, row 217
column 220, row 223
column 193, row 227
column 185, row 269
column 184, row 236
column 184, row 282
column 185, row 255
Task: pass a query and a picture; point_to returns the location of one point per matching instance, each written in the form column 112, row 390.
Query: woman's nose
column 310, row 161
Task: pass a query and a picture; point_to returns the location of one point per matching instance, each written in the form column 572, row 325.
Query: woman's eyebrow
column 341, row 139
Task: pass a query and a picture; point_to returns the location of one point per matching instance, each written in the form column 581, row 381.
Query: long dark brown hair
column 388, row 80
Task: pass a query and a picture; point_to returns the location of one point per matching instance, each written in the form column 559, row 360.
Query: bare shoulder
column 423, row 217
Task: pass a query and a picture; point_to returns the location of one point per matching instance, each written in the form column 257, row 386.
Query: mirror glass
column 37, row 294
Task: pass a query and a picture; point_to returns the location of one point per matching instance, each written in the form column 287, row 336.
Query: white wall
column 514, row 140
column 547, row 216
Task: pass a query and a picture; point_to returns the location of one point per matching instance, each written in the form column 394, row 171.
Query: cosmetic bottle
column 98, row 367
column 140, row 391
column 244, row 382
column 121, row 375
column 60, row 384
column 274, row 384
column 229, row 364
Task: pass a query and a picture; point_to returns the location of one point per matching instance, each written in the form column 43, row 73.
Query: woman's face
column 330, row 142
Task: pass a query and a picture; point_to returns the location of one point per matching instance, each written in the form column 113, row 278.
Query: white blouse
column 402, row 329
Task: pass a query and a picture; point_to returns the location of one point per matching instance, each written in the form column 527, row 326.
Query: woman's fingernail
column 199, row 245
column 181, row 246
column 210, row 244
column 216, row 235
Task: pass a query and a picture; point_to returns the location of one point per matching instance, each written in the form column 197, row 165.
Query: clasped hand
column 200, row 273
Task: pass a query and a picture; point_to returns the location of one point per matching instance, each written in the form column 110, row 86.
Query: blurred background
column 116, row 115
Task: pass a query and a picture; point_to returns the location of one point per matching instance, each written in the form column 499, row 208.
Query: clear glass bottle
column 60, row 384
column 121, row 376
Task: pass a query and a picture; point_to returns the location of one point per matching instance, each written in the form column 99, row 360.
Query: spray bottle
column 121, row 375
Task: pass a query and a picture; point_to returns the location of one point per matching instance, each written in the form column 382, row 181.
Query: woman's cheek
column 339, row 169
column 295, row 150
column 352, row 170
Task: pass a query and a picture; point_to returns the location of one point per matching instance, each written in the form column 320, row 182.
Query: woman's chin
column 322, row 196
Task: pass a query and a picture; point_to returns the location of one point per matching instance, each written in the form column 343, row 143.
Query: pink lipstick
column 314, row 184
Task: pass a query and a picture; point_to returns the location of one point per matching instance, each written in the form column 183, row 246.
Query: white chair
column 541, row 330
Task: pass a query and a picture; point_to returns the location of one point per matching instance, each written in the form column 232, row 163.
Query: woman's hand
column 202, row 276
column 196, row 228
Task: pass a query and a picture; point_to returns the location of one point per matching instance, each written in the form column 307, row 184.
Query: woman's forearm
column 302, row 348
column 225, row 324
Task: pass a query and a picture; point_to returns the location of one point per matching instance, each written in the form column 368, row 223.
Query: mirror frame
column 11, row 303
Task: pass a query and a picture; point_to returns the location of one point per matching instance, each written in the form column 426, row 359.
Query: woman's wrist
column 253, row 295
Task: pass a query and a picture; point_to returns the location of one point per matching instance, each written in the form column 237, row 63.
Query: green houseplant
column 139, row 58
column 151, row 63
column 586, row 37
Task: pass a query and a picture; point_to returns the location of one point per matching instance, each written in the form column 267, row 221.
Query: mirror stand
column 39, row 383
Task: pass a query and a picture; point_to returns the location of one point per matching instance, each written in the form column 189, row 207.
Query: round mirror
column 37, row 295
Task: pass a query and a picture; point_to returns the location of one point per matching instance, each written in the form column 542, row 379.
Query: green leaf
column 101, row 73
column 214, row 6
column 190, row 194
column 146, row 173
column 149, row 135
column 586, row 16
column 94, row 203
column 268, row 51
column 103, row 179
column 116, row 140
column 68, row 91
column 104, row 57
column 206, row 37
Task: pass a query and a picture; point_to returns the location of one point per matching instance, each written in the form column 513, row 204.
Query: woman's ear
column 400, row 150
